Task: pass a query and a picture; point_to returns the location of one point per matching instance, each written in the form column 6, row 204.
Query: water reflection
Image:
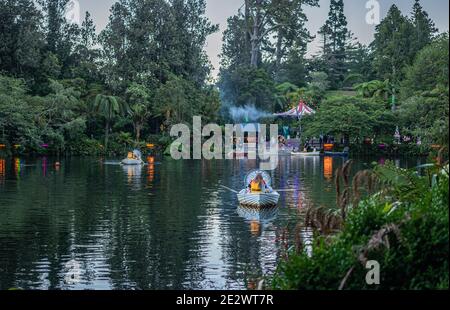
column 182, row 232
column 150, row 169
column 258, row 218
column 17, row 167
column 2, row 170
column 328, row 168
column 134, row 174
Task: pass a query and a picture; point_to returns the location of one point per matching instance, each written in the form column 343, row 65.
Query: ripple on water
column 162, row 226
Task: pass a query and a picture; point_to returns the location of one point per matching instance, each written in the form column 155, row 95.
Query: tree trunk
column 138, row 132
column 247, row 35
column 255, row 37
column 279, row 52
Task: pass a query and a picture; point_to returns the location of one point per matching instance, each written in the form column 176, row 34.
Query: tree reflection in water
column 183, row 231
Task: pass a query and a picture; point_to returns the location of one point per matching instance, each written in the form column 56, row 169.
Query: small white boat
column 135, row 160
column 132, row 162
column 305, row 153
column 258, row 200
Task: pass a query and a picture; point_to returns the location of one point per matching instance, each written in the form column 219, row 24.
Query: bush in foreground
column 405, row 227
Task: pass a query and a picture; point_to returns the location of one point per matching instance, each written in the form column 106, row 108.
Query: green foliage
column 393, row 47
column 429, row 69
column 426, row 116
column 335, row 36
column 388, row 227
column 351, row 117
column 375, row 88
column 247, row 86
column 77, row 84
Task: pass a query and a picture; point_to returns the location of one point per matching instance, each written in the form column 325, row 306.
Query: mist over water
column 247, row 114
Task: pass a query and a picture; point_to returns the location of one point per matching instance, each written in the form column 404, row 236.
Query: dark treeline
column 64, row 86
column 359, row 91
column 75, row 90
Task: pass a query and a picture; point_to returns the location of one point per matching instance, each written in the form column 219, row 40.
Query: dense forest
column 66, row 88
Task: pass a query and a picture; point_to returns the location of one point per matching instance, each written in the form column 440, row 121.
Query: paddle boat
column 134, row 158
column 344, row 153
column 313, row 153
column 268, row 198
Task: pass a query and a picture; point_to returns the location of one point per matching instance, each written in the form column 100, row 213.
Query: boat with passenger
column 133, row 158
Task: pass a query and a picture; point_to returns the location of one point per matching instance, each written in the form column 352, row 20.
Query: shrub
column 406, row 230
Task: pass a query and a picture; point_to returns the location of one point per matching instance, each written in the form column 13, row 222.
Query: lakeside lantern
column 328, row 147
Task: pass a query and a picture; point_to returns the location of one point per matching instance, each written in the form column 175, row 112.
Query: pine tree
column 88, row 36
column 21, row 38
column 423, row 26
column 334, row 37
column 393, row 47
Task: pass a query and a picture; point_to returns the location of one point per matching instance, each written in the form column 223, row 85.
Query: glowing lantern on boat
column 328, row 167
column 150, row 146
column 2, row 146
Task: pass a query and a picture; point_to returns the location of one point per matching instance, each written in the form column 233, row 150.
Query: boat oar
column 230, row 189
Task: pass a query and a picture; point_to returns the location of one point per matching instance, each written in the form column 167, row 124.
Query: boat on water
column 268, row 198
column 258, row 200
column 344, row 153
column 134, row 158
column 313, row 153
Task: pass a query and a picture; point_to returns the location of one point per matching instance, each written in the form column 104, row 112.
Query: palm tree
column 109, row 107
column 139, row 99
column 139, row 113
column 375, row 88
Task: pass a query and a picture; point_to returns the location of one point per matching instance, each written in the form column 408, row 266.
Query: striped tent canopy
column 301, row 110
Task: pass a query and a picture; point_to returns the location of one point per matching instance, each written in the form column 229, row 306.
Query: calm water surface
column 168, row 225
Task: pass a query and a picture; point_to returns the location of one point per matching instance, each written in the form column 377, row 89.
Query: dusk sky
column 219, row 10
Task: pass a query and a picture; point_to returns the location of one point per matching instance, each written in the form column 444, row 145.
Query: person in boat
column 136, row 155
column 258, row 185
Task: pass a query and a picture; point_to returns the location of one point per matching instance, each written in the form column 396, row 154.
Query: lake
column 93, row 224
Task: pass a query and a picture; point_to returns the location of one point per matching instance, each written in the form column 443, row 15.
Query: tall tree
column 423, row 26
column 393, row 48
column 291, row 33
column 335, row 36
column 109, row 107
column 139, row 106
column 55, row 15
column 21, row 38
